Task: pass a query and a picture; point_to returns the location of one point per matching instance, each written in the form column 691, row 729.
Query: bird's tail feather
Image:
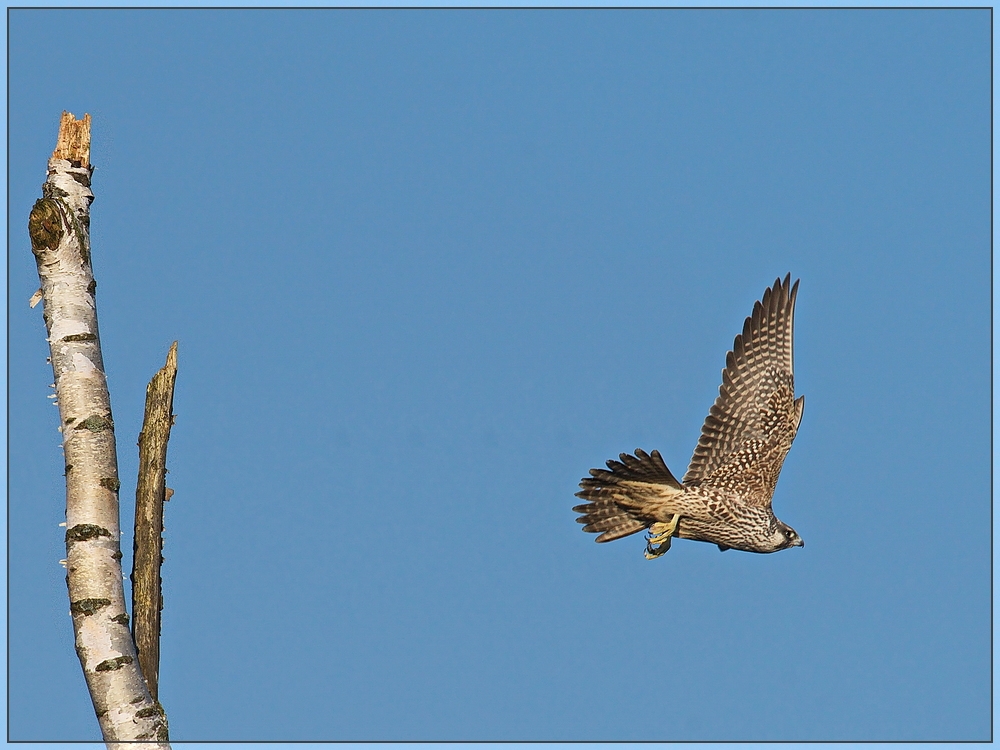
column 615, row 504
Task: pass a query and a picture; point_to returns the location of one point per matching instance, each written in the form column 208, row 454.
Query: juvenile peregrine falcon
column 725, row 497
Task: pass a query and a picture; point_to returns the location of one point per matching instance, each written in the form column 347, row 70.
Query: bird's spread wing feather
column 754, row 420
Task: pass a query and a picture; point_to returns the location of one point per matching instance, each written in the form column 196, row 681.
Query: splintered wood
column 74, row 140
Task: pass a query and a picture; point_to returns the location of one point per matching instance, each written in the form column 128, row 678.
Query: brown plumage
column 725, row 497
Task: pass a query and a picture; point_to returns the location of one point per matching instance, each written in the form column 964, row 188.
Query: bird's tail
column 618, row 497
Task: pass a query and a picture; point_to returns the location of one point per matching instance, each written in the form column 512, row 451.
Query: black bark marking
column 88, row 606
column 111, row 665
column 83, row 179
column 51, row 191
column 154, row 710
column 95, row 423
column 84, row 532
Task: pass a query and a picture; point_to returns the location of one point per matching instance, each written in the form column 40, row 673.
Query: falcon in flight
column 725, row 497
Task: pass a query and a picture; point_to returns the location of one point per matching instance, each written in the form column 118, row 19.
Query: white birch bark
column 60, row 238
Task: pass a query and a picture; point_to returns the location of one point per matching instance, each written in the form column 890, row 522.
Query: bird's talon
column 658, row 537
column 652, row 552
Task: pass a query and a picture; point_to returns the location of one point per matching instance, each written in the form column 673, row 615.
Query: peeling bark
column 59, row 227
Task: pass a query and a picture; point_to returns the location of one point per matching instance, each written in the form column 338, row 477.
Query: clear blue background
column 427, row 268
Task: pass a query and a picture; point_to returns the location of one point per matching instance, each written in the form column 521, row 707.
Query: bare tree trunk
column 150, row 494
column 59, row 227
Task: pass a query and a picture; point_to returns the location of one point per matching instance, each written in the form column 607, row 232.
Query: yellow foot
column 659, row 536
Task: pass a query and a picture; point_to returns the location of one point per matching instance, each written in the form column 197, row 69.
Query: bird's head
column 784, row 536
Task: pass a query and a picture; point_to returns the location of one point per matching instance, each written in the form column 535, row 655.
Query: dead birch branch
column 150, row 494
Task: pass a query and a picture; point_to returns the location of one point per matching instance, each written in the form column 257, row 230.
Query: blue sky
column 426, row 268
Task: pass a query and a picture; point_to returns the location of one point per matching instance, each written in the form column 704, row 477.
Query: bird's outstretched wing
column 754, row 420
